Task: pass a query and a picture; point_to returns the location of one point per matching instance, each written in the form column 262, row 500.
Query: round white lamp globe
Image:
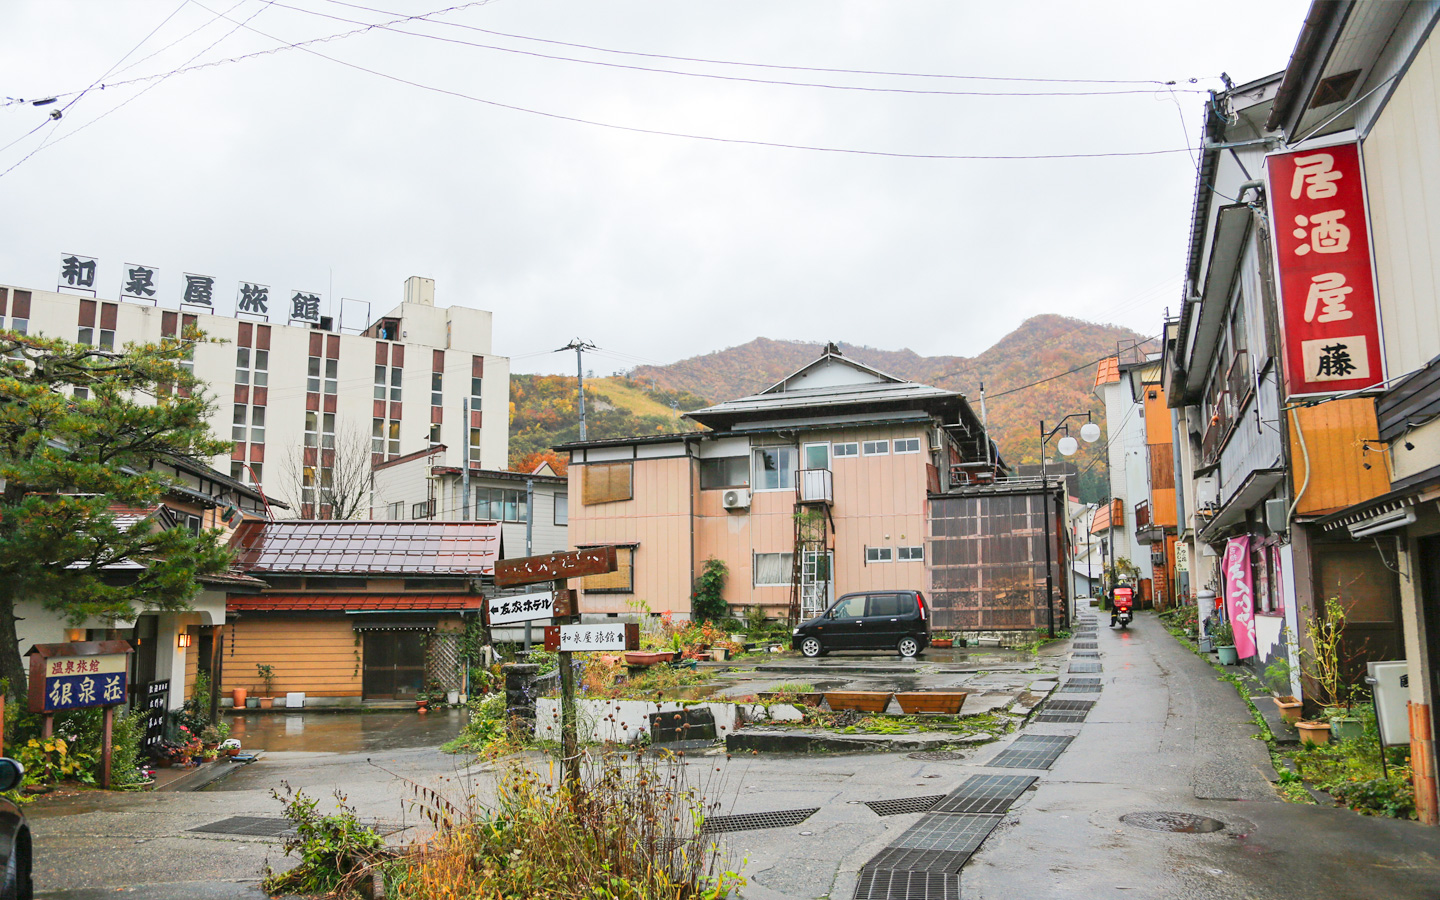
column 1067, row 446
column 1090, row 432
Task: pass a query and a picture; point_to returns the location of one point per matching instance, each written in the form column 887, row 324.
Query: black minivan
column 869, row 620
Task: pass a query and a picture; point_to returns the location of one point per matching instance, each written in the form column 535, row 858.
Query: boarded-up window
column 620, row 581
column 1162, row 465
column 607, row 483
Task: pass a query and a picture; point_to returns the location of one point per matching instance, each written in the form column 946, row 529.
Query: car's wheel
column 810, row 646
column 909, row 647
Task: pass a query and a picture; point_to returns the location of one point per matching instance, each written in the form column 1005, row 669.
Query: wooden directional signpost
column 562, row 608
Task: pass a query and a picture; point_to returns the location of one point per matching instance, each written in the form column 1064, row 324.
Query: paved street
column 1163, row 736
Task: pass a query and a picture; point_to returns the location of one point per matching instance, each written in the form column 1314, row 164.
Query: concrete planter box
column 863, row 701
column 648, row 657
column 943, row 703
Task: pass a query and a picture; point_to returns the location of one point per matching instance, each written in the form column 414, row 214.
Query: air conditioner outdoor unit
column 739, row 498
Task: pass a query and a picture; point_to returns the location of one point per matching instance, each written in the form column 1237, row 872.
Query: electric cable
column 737, row 78
column 790, row 68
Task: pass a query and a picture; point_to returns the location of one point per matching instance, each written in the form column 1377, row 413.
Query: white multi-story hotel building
column 300, row 401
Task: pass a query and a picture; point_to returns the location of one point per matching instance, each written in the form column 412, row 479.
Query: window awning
column 1256, row 487
column 355, row 603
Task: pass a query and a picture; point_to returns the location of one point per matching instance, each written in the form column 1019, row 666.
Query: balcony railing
column 815, row 486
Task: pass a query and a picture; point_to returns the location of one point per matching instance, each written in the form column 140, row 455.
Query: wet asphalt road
column 1164, row 736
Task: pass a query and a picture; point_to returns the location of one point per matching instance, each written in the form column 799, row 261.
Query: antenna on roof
column 833, row 349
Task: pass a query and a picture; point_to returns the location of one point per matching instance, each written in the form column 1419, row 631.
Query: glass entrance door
column 394, row 664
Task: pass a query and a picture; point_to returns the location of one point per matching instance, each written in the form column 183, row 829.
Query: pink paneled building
column 813, row 488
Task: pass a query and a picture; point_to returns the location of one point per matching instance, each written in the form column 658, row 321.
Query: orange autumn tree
column 532, row 461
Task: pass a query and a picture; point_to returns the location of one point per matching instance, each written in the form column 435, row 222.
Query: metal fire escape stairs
column 811, row 573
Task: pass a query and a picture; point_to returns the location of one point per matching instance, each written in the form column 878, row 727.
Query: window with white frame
column 878, row 555
column 437, row 388
column 847, row 449
column 876, row 448
column 562, row 509
column 774, row 569
column 774, row 468
column 396, row 511
column 500, row 505
column 912, row 554
column 907, row 445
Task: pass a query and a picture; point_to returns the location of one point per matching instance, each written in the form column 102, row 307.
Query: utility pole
column 465, row 460
column 529, row 537
column 580, row 347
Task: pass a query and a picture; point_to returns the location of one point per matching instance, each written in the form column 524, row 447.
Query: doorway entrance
column 394, row 667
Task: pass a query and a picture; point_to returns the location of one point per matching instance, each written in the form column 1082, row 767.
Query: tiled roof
column 366, row 548
column 352, row 602
column 1108, row 372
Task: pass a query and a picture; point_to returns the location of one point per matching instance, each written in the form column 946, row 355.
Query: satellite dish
column 1090, row 432
column 1067, row 446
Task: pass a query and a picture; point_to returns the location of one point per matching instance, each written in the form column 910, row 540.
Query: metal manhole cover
column 1176, row 822
column 904, row 805
column 269, row 826
column 936, row 755
column 754, row 821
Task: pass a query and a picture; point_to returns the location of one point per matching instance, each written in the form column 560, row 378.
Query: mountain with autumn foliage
column 1042, row 370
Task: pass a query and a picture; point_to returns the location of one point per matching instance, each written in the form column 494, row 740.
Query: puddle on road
column 345, row 732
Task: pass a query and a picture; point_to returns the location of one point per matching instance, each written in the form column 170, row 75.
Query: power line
column 1092, row 362
column 789, row 68
column 714, row 138
column 736, row 78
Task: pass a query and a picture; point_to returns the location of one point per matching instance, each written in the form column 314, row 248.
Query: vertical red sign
column 1329, row 317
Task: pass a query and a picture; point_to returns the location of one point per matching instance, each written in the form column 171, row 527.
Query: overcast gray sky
column 299, row 171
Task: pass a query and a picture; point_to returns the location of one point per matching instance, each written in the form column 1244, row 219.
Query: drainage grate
column 903, row 806
column 1082, row 682
column 1086, row 654
column 1060, row 718
column 897, row 858
column 1086, row 645
column 1069, row 705
column 986, row 794
column 1032, row 751
column 1177, row 822
column 950, row 833
column 1071, row 687
column 266, row 826
column 937, row 755
column 889, row 884
column 1086, row 667
column 755, row 821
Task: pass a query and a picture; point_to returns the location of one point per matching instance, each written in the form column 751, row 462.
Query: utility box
column 1392, row 700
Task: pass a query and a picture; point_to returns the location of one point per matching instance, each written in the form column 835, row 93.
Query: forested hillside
column 1028, row 378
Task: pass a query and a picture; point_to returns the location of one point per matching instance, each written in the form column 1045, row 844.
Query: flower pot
column 452, row 697
column 1228, row 656
column 648, row 657
column 720, row 654
column 252, row 703
column 267, row 702
column 863, row 701
column 1205, row 645
column 1314, row 732
column 1347, row 728
column 941, row 703
column 1289, row 708
column 237, row 697
column 232, row 751
column 942, row 643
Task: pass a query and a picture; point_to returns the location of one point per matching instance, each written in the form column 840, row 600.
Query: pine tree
column 79, row 429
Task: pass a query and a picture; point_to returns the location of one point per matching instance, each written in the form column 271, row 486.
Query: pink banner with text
column 1240, row 594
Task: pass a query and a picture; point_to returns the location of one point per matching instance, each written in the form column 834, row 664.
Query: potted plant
column 267, row 675
column 942, row 642
column 1321, row 664
column 237, row 697
column 1277, row 679
column 945, row 703
column 863, row 701
column 422, row 700
column 1224, row 637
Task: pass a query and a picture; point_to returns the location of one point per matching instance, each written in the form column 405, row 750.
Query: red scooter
column 1121, row 606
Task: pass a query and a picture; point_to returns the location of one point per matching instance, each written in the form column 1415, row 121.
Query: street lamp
column 1089, row 432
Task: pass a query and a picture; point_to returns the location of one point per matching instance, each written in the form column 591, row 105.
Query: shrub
column 631, row 830
column 486, row 727
column 707, row 597
column 333, row 849
column 755, row 620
